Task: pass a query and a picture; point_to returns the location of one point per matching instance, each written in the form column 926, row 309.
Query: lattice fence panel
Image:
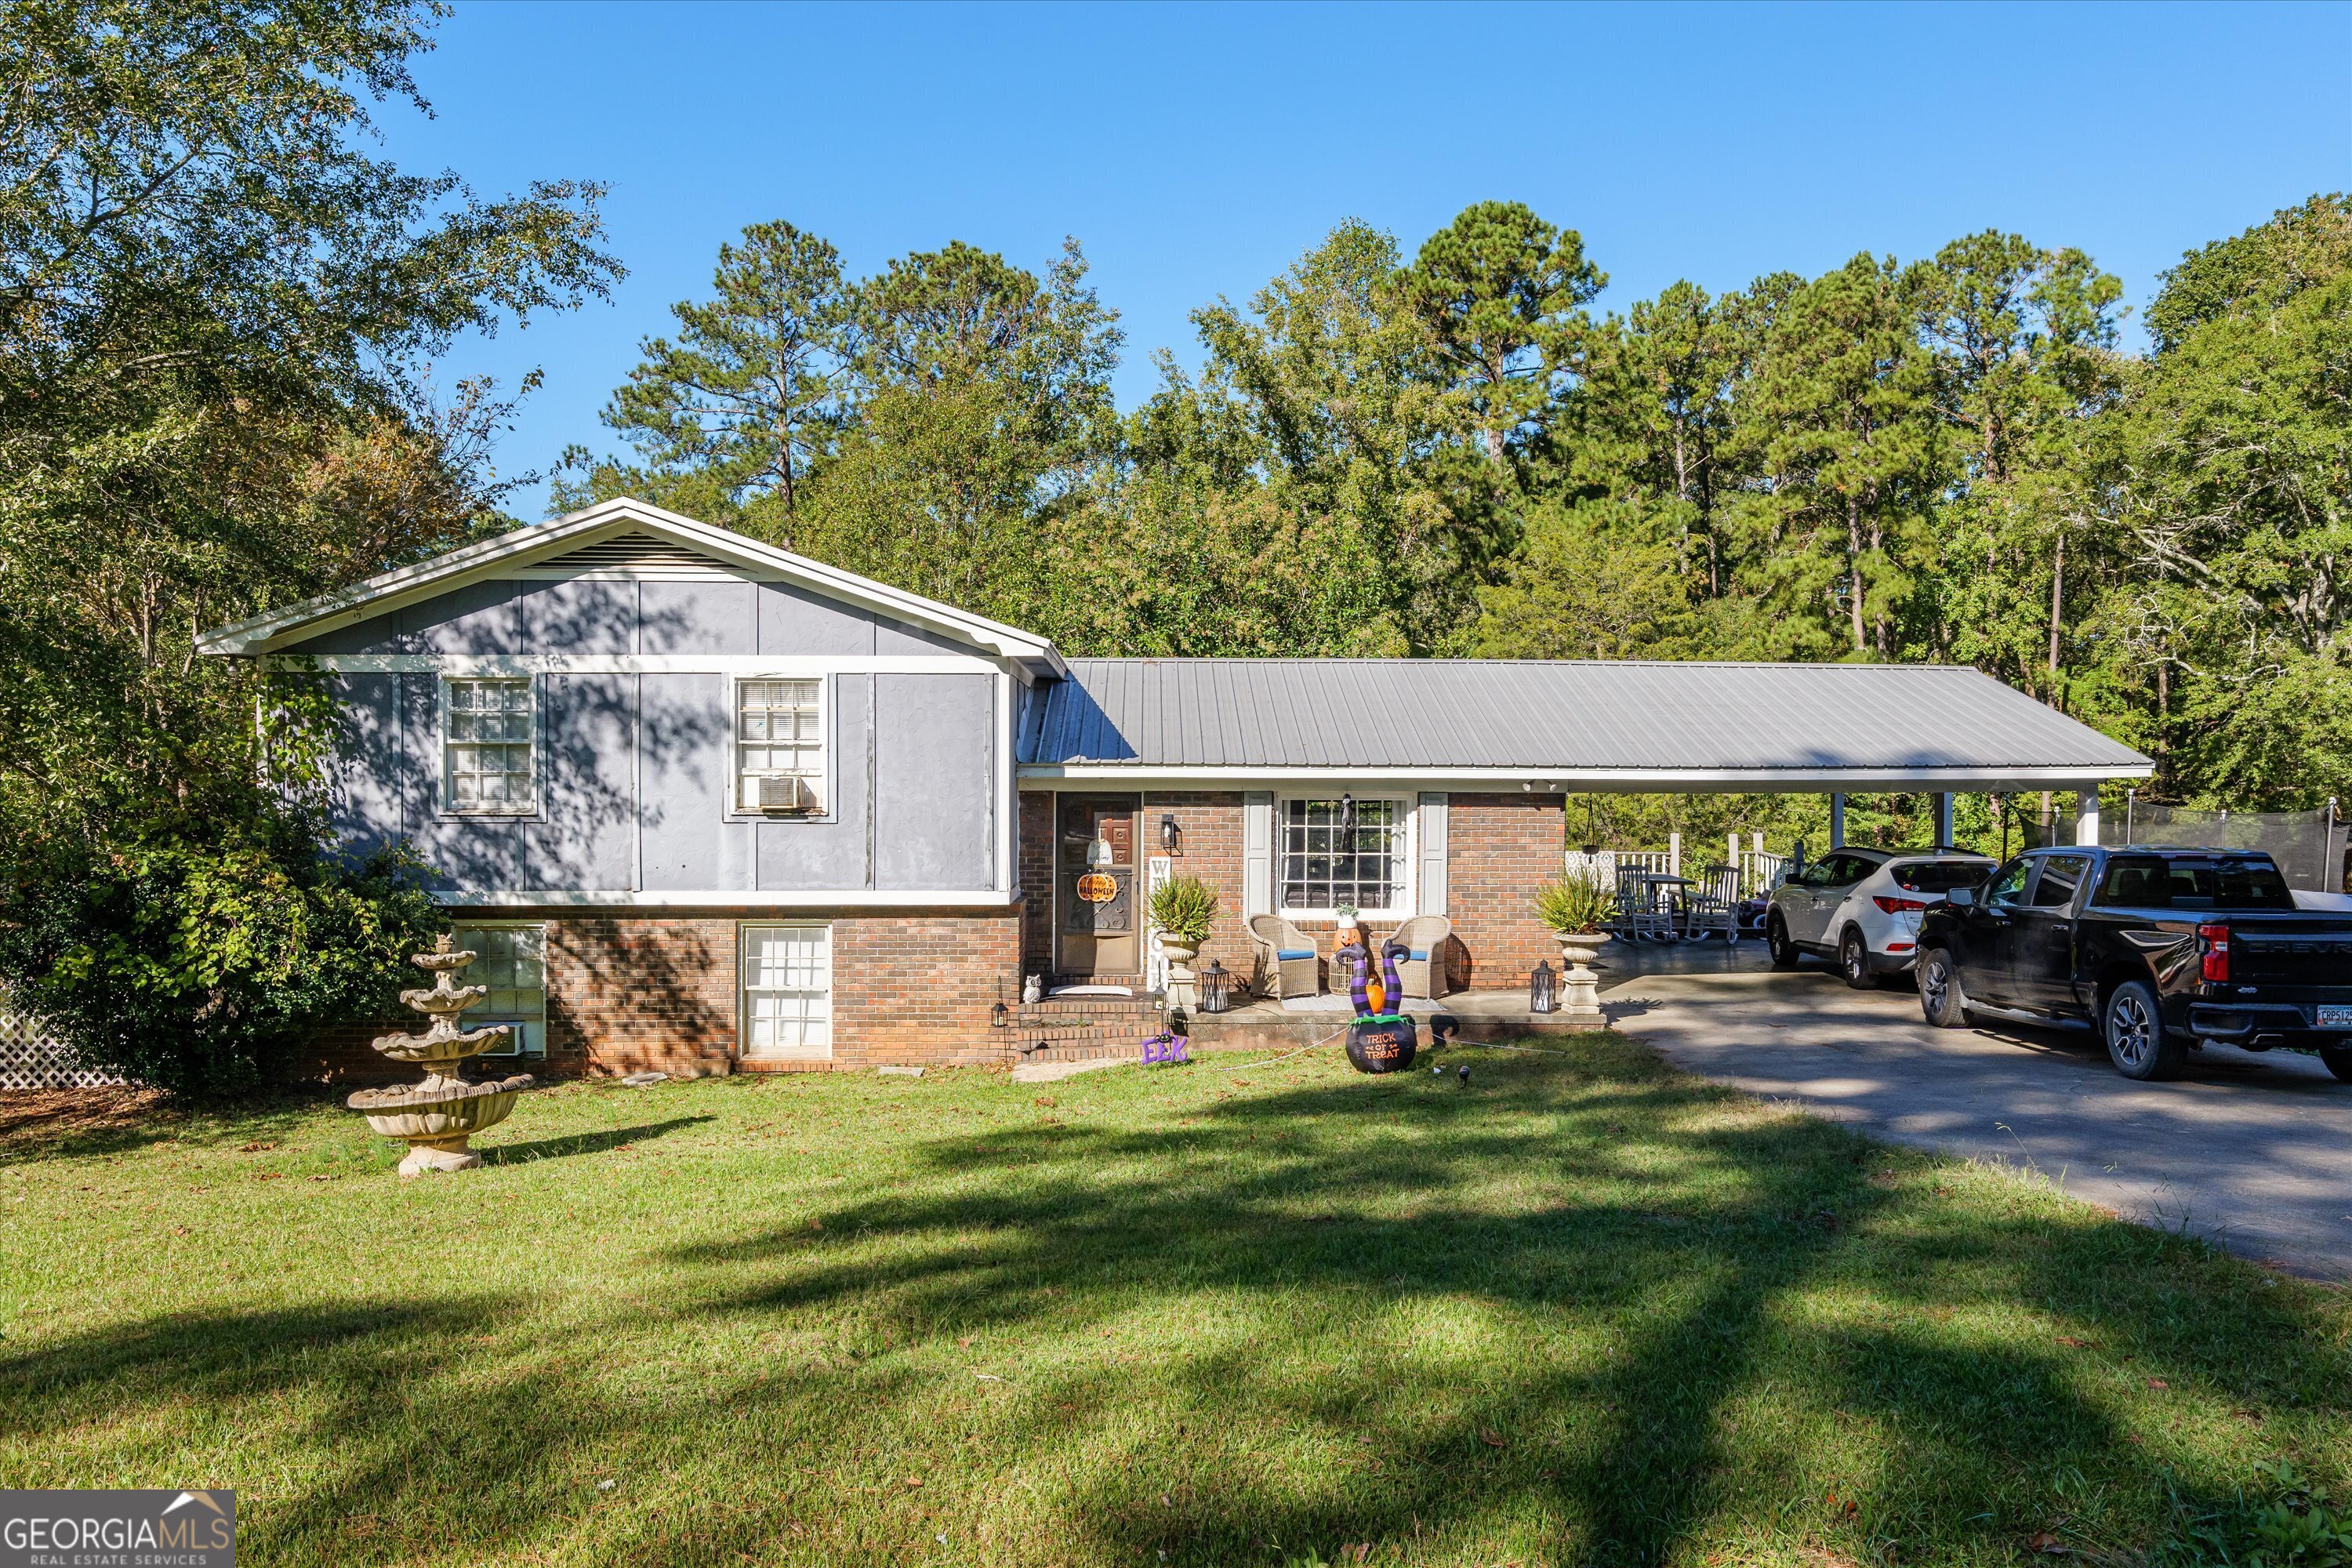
column 30, row 1060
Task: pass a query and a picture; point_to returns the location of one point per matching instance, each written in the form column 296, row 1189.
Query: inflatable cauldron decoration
column 1378, row 1040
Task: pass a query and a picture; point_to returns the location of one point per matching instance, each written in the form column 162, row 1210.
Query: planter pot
column 1381, row 1044
column 1180, row 954
column 1580, row 987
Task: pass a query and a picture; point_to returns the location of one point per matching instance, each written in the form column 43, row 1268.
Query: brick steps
column 1084, row 1029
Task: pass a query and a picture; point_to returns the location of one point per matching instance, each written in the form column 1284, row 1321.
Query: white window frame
column 821, row 1051
column 1405, row 855
column 737, row 774
column 449, row 807
column 530, row 1040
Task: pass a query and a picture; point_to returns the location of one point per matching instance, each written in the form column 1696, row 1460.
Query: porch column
column 1837, row 820
column 2087, row 816
column 1943, row 817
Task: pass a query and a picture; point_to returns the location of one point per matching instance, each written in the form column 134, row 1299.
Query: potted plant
column 1184, row 911
column 1576, row 909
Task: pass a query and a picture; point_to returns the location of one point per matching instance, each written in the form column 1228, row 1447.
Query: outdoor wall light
column 1171, row 838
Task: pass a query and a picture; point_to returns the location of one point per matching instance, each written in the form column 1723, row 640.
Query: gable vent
column 635, row 555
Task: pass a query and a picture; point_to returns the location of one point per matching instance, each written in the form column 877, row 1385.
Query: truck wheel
column 1776, row 941
column 2337, row 1060
column 1853, row 961
column 2137, row 1043
column 1940, row 997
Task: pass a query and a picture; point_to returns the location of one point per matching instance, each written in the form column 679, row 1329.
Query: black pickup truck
column 2159, row 949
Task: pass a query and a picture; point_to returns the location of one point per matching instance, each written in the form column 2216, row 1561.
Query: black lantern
column 1216, row 988
column 1543, row 995
column 1170, row 838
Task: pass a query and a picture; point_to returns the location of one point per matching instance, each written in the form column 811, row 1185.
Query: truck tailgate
column 2299, row 951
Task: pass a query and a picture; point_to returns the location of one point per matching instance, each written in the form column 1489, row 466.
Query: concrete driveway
column 2252, row 1152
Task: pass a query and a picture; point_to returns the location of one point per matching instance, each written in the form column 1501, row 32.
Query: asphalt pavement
column 2253, row 1151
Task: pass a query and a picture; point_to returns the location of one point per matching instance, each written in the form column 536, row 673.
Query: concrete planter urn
column 438, row 1116
column 1180, row 954
column 1580, row 986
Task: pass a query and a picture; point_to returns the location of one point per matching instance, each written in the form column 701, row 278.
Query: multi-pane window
column 487, row 744
column 511, row 961
column 1326, row 863
column 779, row 745
column 787, row 975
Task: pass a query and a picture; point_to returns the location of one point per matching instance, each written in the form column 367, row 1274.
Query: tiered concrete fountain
column 436, row 1116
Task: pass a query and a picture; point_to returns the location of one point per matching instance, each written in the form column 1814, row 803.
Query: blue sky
column 1195, row 150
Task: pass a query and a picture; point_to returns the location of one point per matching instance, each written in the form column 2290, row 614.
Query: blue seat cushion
column 1288, row 953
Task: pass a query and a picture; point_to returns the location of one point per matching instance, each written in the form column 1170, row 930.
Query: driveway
column 2252, row 1152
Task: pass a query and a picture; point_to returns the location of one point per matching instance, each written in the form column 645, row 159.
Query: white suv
column 1862, row 907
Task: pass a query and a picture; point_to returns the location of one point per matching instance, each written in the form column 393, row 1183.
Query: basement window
column 787, row 978
column 511, row 961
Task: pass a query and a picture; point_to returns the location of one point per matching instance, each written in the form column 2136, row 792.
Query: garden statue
column 1378, row 1040
column 438, row 1116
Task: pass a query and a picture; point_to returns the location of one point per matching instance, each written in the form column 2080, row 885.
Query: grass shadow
column 602, row 1141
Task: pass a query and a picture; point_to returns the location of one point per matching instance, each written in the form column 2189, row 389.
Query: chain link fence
column 2307, row 846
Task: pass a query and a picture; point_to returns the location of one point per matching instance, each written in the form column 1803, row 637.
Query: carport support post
column 2087, row 816
column 1837, row 820
column 1944, row 818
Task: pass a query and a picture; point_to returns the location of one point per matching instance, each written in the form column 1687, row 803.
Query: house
column 706, row 805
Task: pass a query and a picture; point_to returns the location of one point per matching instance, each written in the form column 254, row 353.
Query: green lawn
column 1583, row 1309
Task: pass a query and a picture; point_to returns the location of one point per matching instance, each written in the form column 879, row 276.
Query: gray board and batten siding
column 637, row 765
column 1761, row 725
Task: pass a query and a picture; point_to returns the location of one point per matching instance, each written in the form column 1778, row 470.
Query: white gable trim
column 511, row 553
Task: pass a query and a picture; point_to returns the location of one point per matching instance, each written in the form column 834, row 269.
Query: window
column 486, row 745
column 511, row 961
column 780, row 747
column 1324, row 865
column 1939, row 875
column 2009, row 885
column 788, row 992
column 2060, row 875
column 2152, row 882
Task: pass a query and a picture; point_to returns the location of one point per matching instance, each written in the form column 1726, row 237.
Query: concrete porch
column 1265, row 1023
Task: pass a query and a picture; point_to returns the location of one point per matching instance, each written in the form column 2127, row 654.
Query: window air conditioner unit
column 513, row 1048
column 784, row 793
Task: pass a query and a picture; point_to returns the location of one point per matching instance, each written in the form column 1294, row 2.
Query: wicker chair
column 1423, row 969
column 1286, row 955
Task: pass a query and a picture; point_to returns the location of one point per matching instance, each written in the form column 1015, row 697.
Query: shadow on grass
column 598, row 1142
column 1647, row 1267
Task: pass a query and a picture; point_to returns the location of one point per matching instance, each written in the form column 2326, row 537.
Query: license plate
column 2335, row 1017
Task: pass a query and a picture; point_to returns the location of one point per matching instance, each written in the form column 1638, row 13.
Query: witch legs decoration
column 1378, row 1040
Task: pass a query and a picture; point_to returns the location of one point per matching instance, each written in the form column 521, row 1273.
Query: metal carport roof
column 1629, row 725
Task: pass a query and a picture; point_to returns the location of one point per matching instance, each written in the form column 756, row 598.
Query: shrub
column 1184, row 907
column 1574, row 905
column 200, row 966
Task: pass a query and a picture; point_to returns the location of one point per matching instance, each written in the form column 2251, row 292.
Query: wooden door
column 1097, row 942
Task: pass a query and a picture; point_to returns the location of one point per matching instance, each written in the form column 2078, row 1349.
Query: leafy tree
column 214, row 397
column 1597, row 579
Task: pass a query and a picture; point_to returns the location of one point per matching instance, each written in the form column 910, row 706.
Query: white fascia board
column 391, row 590
column 780, row 664
column 729, row 898
column 1598, row 780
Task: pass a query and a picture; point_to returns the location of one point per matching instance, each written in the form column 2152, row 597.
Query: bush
column 200, row 966
column 1574, row 905
column 1184, row 907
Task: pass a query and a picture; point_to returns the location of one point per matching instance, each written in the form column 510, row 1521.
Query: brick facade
column 1499, row 850
column 1500, row 847
column 634, row 993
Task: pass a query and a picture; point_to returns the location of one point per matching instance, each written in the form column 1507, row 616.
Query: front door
column 1095, row 939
